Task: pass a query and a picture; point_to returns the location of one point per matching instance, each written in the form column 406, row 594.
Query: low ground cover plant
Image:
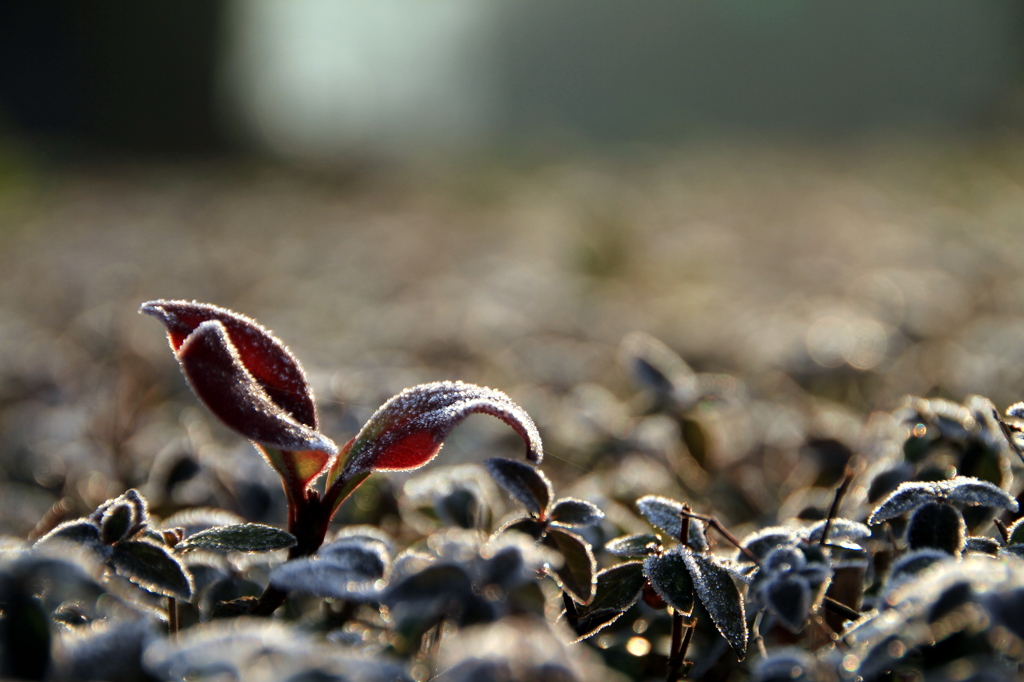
column 895, row 557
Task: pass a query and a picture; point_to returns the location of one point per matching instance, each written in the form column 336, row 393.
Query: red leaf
column 214, row 370
column 408, row 430
column 268, row 360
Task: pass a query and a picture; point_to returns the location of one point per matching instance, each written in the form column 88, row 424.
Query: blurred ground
column 835, row 276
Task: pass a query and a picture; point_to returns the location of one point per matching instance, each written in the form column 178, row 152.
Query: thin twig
column 756, row 630
column 675, row 660
column 717, row 525
column 435, row 640
column 1003, row 530
column 172, row 616
column 836, row 501
column 685, row 646
column 841, row 609
column 1008, row 432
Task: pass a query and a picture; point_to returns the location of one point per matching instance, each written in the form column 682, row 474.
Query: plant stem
column 172, row 616
column 1003, row 531
column 675, row 661
column 841, row 609
column 717, row 525
column 836, row 501
column 308, row 520
column 756, row 632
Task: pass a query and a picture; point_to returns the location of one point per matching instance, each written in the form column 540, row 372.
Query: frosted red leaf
column 214, row 369
column 408, row 430
column 262, row 354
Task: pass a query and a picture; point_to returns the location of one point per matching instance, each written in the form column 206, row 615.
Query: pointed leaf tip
column 217, row 375
column 408, row 430
column 266, row 358
column 523, row 482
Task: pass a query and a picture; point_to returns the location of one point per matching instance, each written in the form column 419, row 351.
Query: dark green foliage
column 243, row 537
column 717, row 591
column 637, row 545
column 962, row 489
column 938, row 526
column 669, row 575
column 577, row 573
column 527, row 484
column 618, row 588
column 573, row 513
column 789, row 597
column 151, row 567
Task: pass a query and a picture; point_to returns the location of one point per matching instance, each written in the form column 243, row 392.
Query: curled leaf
column 657, row 368
column 618, row 588
column 79, row 531
column 268, row 360
column 408, row 430
column 578, row 571
column 217, row 375
column 762, row 542
column 667, row 515
column 527, row 484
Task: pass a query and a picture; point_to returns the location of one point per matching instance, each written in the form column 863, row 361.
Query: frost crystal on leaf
column 266, row 358
column 219, row 378
column 717, row 592
column 662, row 513
column 407, row 431
column 572, row 512
column 840, row 531
column 963, row 489
column 670, row 578
column 525, row 483
column 762, row 542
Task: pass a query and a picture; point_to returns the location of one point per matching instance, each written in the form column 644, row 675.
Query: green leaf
column 963, row 489
column 639, row 544
column 670, row 578
column 242, row 537
column 572, row 512
column 1016, row 532
column 618, row 588
column 151, row 568
column 717, row 592
column 79, row 531
column 938, row 525
column 525, row 483
column 117, row 520
column 577, row 573
column 789, row 597
column 662, row 513
column 526, row 524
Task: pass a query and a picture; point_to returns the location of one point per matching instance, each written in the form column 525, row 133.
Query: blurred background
column 823, row 202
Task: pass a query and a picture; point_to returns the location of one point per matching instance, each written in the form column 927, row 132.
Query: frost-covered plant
column 254, row 384
column 552, row 522
column 676, row 572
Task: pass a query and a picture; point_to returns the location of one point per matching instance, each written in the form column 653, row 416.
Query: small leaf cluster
column 121, row 532
column 552, row 522
column 679, row 575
